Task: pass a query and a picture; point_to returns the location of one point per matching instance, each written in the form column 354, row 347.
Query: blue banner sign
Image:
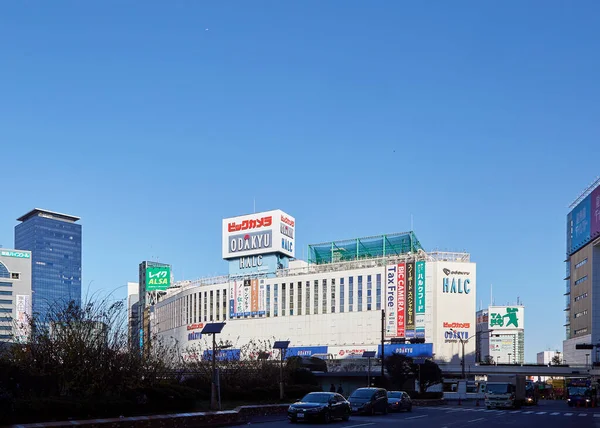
column 305, row 351
column 417, row 350
column 222, row 355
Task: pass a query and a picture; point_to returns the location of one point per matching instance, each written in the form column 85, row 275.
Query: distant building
column 582, row 278
column 133, row 314
column 54, row 240
column 546, row 357
column 501, row 334
column 15, row 295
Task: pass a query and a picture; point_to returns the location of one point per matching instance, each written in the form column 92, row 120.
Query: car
column 323, row 406
column 369, row 400
column 399, row 400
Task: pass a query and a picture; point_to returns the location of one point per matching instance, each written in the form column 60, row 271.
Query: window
column 580, row 331
column 217, row 305
column 581, row 263
column 283, row 296
column 268, row 300
column 299, row 297
column 378, row 292
column 307, row 312
column 5, row 284
column 580, row 314
column 275, row 300
column 212, row 305
column 5, row 327
column 580, row 280
column 5, row 302
column 581, row 296
column 206, row 306
column 350, row 294
column 360, row 293
column 15, row 275
column 291, row 298
column 332, row 295
column 342, row 294
column 369, row 292
column 5, row 311
column 195, row 306
column 324, row 296
column 316, row 306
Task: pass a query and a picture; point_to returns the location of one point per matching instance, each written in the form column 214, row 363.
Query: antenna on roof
column 254, row 205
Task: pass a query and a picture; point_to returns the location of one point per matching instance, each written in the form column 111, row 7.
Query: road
column 547, row 414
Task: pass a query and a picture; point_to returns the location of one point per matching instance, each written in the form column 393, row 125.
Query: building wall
column 15, row 294
column 545, row 357
column 581, row 295
column 321, row 314
column 55, row 247
column 574, row 356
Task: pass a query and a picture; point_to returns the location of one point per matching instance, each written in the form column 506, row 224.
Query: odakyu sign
column 269, row 232
column 222, row 355
column 306, row 351
column 417, row 350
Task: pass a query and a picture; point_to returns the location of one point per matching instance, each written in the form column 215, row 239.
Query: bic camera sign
column 502, row 318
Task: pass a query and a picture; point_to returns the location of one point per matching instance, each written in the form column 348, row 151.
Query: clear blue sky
column 154, row 120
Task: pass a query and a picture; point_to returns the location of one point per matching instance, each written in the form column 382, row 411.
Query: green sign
column 17, row 254
column 510, row 318
column 158, row 278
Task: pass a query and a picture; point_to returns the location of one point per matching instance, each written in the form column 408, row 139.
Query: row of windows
column 5, row 302
column 580, row 314
column 581, row 296
column 359, row 303
column 580, row 280
column 581, row 263
column 203, row 306
column 580, row 331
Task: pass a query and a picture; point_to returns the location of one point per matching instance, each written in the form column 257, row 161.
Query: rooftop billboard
column 506, row 318
column 260, row 233
column 583, row 222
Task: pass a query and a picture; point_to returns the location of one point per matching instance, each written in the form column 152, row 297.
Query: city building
column 133, row 314
column 15, row 294
column 501, row 334
column 547, row 357
column 154, row 279
column 338, row 303
column 54, row 240
column 582, row 279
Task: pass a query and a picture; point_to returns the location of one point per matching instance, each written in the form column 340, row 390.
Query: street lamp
column 368, row 355
column 214, row 329
column 462, row 342
column 282, row 345
column 509, row 354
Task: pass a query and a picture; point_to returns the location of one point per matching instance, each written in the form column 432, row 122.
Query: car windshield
column 316, row 398
column 362, row 393
column 500, row 388
column 394, row 395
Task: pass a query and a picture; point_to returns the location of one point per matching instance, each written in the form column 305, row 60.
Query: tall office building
column 582, row 291
column 54, row 240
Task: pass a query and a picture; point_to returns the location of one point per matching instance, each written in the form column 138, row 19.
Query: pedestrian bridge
column 528, row 370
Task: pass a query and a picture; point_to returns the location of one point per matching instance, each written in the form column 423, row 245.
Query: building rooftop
column 52, row 214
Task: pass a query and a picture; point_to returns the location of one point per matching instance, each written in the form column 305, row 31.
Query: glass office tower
column 54, row 240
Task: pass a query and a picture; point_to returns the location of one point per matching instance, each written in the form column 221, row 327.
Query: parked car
column 369, row 400
column 399, row 400
column 324, row 406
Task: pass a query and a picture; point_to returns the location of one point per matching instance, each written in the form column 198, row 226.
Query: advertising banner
column 401, row 317
column 420, row 300
column 506, row 317
column 254, row 296
column 581, row 223
column 254, row 265
column 306, row 351
column 391, row 293
column 158, row 278
column 23, row 315
column 345, row 352
column 17, row 254
column 595, row 204
column 222, row 355
column 262, row 300
column 247, row 297
column 268, row 232
column 501, row 347
column 410, row 300
column 418, row 350
column 232, row 298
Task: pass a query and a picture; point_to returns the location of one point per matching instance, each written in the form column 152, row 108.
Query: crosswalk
column 512, row 412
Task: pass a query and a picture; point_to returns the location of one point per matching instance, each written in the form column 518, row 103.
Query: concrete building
column 501, row 334
column 15, row 295
column 336, row 304
column 54, row 240
column 582, row 279
column 133, row 314
column 546, row 357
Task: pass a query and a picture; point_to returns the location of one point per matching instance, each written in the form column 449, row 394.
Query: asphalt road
column 547, row 414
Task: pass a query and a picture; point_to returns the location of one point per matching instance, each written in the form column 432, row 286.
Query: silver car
column 399, row 400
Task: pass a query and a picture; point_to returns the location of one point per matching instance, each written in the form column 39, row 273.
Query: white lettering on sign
column 251, row 262
column 458, row 286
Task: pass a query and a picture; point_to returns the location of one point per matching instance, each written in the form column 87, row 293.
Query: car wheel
column 293, row 420
column 385, row 410
column 371, row 411
column 346, row 416
column 326, row 417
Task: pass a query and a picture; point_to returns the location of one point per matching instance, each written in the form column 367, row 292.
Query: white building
column 501, row 331
column 545, row 357
column 15, row 294
column 336, row 303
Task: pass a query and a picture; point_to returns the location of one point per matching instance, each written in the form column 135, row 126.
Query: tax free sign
column 158, row 278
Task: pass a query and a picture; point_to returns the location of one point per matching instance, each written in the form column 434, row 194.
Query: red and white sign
column 401, row 299
column 391, row 301
column 268, row 232
column 195, row 326
column 344, row 352
column 457, row 324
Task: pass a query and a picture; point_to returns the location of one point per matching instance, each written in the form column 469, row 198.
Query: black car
column 399, row 400
column 319, row 405
column 369, row 401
